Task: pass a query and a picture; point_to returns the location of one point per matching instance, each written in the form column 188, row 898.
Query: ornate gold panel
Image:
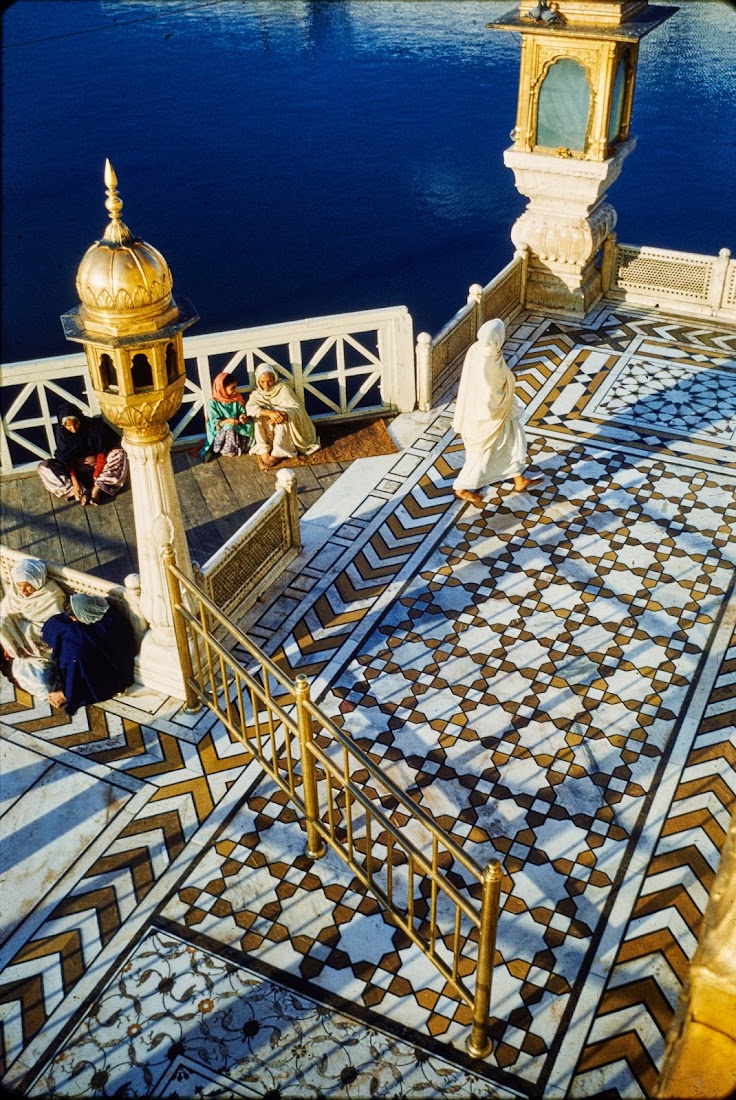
column 599, row 61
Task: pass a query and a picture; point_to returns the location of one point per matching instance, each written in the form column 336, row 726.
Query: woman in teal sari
column 229, row 428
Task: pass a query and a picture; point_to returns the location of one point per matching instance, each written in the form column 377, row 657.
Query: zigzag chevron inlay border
column 625, row 1045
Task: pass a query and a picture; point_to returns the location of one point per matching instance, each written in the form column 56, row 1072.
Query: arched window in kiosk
column 564, row 107
column 141, row 373
column 108, row 373
column 617, row 102
column 172, row 367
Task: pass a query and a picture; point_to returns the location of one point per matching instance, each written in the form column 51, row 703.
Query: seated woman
column 229, row 428
column 30, row 601
column 94, row 649
column 89, row 460
column 281, row 426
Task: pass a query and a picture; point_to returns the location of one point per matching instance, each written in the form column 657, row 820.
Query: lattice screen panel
column 676, row 276
column 249, row 561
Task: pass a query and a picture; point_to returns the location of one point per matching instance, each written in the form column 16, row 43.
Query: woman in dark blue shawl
column 94, row 649
column 88, row 460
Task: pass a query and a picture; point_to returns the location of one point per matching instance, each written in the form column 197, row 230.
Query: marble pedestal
column 564, row 225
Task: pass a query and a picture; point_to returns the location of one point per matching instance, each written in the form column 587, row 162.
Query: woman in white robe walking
column 488, row 418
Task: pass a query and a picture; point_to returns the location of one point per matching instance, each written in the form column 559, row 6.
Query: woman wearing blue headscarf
column 94, row 650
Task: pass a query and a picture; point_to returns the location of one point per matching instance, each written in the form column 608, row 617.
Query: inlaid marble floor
column 553, row 678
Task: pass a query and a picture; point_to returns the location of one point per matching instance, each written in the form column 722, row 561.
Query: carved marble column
column 132, row 328
column 564, row 225
column 158, row 520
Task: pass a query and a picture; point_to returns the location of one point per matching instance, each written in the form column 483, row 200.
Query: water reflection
column 298, row 158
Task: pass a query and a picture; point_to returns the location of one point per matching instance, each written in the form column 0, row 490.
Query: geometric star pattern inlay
column 553, row 678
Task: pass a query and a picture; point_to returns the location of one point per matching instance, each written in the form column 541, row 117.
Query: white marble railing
column 126, row 597
column 344, row 366
column 680, row 282
column 439, row 358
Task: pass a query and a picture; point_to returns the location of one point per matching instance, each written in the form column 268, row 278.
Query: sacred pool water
column 294, row 158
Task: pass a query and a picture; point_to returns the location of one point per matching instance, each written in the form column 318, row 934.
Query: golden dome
column 123, row 282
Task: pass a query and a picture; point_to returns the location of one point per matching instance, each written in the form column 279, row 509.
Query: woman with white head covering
column 30, row 601
column 488, row 418
column 281, row 426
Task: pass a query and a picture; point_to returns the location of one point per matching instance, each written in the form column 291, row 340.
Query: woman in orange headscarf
column 229, row 428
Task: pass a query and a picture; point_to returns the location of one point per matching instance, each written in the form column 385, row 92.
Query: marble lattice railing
column 257, row 553
column 439, row 358
column 347, row 365
column 126, row 597
column 676, row 282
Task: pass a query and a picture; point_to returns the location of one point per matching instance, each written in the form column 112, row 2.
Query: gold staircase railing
column 444, row 901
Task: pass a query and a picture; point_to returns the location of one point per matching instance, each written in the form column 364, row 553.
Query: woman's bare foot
column 268, row 461
column 521, row 482
column 57, row 699
column 474, row 498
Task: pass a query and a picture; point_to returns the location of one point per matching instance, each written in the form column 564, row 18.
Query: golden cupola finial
column 117, row 230
column 131, row 328
column 124, row 283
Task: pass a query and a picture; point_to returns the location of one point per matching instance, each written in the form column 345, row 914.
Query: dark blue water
column 297, row 158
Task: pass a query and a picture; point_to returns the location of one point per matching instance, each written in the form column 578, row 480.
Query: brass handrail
column 315, row 763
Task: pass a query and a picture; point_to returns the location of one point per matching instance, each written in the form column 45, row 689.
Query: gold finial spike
column 116, row 230
column 114, row 203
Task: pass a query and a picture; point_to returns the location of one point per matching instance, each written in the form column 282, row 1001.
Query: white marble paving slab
column 96, row 848
column 47, row 748
column 337, row 503
column 407, row 428
column 20, row 768
column 43, row 833
column 147, row 700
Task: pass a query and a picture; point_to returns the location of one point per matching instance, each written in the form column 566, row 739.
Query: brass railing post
column 193, row 703
column 479, row 1044
column 315, row 847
